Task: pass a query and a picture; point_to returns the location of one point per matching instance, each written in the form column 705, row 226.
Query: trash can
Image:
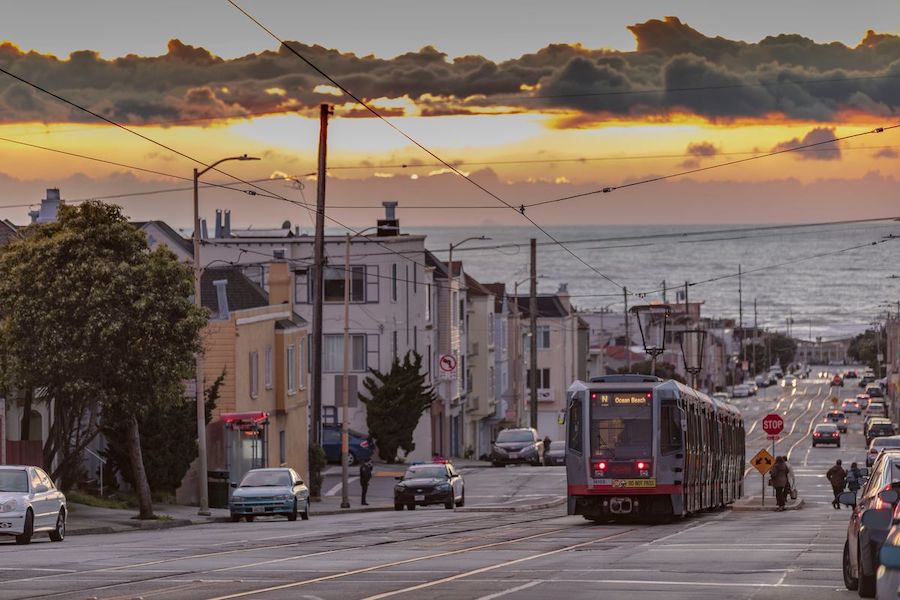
column 218, row 488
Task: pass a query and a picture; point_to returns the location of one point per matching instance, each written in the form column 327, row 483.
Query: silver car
column 277, row 491
column 30, row 503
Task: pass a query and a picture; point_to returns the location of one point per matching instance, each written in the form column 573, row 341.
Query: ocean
column 829, row 278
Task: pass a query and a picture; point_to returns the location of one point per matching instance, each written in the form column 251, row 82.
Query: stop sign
column 773, row 424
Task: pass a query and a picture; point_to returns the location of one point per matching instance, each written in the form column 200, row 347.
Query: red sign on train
column 773, row 424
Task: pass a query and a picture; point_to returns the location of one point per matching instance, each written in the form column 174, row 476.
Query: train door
column 576, row 469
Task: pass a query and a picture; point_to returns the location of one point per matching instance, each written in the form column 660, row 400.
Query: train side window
column 670, row 428
column 574, row 431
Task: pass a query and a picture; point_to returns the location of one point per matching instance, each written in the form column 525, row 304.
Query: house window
column 333, row 352
column 269, row 368
column 303, row 366
column 543, row 337
column 491, row 328
column 254, row 374
column 394, row 348
column 428, row 302
column 415, row 338
column 333, row 286
column 492, row 385
column 394, row 282
column 543, row 379
column 469, row 381
column 290, row 369
column 282, row 448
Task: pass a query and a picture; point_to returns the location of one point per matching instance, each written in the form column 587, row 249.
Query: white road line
column 334, row 490
column 519, row 588
column 635, row 582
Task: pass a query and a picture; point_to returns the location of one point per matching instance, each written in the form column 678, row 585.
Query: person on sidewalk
column 790, row 489
column 365, row 476
column 837, row 476
column 547, row 441
column 854, row 478
column 779, row 478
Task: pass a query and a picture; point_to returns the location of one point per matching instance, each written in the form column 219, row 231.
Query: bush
column 317, row 463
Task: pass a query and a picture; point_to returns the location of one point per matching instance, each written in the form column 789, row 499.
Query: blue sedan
column 263, row 492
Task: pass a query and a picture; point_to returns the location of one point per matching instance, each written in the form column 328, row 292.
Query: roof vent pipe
column 204, row 232
column 222, row 299
column 389, row 210
column 227, row 227
column 218, row 223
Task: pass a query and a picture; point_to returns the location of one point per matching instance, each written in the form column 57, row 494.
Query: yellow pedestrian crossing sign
column 762, row 461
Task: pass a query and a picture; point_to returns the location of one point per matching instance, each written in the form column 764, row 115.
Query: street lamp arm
column 219, row 162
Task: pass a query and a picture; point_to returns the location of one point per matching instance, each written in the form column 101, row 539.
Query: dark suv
column 517, row 446
column 864, row 535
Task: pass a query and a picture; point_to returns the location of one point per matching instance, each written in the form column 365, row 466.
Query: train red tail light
column 600, row 466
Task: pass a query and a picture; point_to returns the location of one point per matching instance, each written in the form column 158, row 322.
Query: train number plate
column 634, row 483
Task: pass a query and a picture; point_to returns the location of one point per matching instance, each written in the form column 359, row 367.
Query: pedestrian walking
column 365, row 475
column 854, row 478
column 547, row 441
column 837, row 476
column 791, row 489
column 778, row 476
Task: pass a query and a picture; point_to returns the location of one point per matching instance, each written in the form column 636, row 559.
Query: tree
column 395, row 404
column 864, row 348
column 664, row 370
column 95, row 319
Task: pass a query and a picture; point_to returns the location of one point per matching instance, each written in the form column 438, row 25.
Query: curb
column 512, row 507
column 748, row 508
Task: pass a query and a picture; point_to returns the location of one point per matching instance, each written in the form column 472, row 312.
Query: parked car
column 773, row 379
column 430, row 483
column 721, row 397
column 762, row 381
column 874, row 391
column 556, row 455
column 275, row 491
column 876, row 409
column 865, row 534
column 517, row 446
column 870, row 419
column 879, row 428
column 30, row 503
column 851, row 405
column 866, row 381
column 740, row 391
column 359, row 448
column 887, row 580
column 838, row 418
column 863, row 401
column 879, row 444
column 826, row 433
column 751, row 385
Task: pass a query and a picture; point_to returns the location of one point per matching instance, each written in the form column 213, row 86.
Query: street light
column 520, row 408
column 652, row 318
column 450, row 339
column 198, row 360
column 345, row 377
column 692, row 342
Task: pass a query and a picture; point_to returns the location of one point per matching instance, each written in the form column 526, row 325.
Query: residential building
column 394, row 308
column 822, row 352
column 257, row 343
column 480, row 408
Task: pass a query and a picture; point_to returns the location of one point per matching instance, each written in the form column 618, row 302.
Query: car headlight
column 443, row 487
column 282, row 497
column 9, row 506
column 399, row 488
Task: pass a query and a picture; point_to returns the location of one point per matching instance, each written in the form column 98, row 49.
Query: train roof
column 650, row 382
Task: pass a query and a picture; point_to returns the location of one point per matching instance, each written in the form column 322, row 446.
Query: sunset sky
column 534, row 100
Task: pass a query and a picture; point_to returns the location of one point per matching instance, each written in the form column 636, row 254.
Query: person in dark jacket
column 365, row 476
column 854, row 478
column 779, row 478
column 837, row 477
column 547, row 441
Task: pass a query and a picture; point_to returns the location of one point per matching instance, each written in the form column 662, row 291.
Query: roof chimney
column 227, row 227
column 222, row 299
column 389, row 225
column 563, row 294
column 204, row 232
column 218, row 223
column 279, row 281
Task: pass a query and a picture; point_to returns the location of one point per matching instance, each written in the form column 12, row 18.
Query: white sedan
column 30, row 503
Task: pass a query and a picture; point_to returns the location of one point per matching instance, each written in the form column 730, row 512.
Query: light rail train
column 642, row 447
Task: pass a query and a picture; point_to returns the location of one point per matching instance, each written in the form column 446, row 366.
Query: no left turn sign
column 448, row 363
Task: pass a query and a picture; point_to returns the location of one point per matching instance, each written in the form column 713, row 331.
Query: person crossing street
column 837, row 477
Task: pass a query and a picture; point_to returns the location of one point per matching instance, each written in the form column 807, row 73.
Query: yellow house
column 258, row 344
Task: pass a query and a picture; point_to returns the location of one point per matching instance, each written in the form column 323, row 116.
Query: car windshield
column 266, row 479
column 510, row 435
column 885, row 443
column 13, row 481
column 426, row 473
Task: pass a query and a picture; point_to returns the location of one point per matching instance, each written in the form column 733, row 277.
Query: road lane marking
column 287, row 586
column 634, row 582
column 334, row 490
column 518, row 588
column 487, row 569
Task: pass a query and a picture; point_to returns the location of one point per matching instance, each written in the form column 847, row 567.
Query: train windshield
column 621, row 425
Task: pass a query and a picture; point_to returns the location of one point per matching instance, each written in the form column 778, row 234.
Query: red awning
column 245, row 418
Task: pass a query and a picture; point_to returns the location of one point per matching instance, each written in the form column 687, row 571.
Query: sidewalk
column 754, row 504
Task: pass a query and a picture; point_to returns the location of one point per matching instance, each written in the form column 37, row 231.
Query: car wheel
column 866, row 582
column 235, row 518
column 452, row 504
column 59, row 534
column 305, row 514
column 410, row 507
column 351, row 459
column 849, row 581
column 838, row 444
column 28, row 532
column 249, row 518
column 292, row 516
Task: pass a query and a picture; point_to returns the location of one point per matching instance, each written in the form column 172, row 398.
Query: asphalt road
column 436, row 553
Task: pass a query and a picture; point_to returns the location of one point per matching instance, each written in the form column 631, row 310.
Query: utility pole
column 755, row 332
column 687, row 309
column 741, row 318
column 627, row 333
column 532, row 304
column 318, row 278
column 664, row 291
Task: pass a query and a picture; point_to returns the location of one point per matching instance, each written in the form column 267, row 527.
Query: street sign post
column 762, row 461
column 773, row 425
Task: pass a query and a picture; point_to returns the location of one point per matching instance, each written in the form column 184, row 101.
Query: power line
column 520, row 209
